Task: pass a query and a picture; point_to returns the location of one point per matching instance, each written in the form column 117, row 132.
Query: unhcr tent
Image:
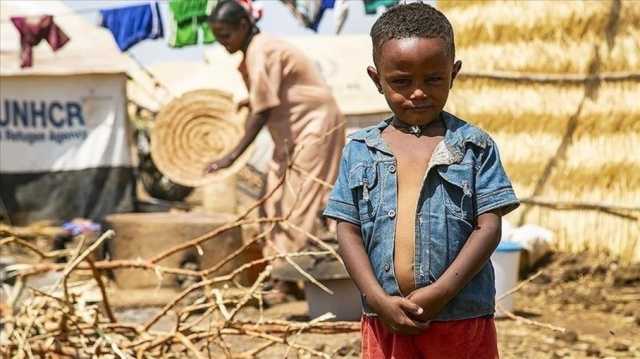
column 64, row 149
column 557, row 85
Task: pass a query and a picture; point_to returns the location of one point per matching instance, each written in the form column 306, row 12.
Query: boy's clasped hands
column 412, row 314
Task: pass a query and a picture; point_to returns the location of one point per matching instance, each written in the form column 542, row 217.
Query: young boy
column 418, row 202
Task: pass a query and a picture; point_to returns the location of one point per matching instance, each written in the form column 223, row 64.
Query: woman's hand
column 243, row 103
column 224, row 162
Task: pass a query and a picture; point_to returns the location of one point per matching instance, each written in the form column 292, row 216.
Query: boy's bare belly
column 412, row 155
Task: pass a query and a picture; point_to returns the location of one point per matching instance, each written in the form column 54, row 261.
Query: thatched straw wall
column 557, row 85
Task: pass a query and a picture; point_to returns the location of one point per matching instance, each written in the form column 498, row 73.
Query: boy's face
column 415, row 74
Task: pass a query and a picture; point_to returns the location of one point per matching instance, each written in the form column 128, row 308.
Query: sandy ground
column 596, row 300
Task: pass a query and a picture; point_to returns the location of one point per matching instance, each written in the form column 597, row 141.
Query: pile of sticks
column 61, row 321
column 68, row 326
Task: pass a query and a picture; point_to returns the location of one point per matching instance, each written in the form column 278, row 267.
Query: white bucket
column 506, row 263
column 344, row 303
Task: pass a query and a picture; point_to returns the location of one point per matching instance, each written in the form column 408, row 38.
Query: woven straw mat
column 192, row 131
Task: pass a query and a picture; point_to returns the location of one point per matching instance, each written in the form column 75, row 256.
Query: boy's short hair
column 412, row 20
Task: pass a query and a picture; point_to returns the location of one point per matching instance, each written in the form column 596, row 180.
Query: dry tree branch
column 528, row 321
column 103, row 291
column 518, row 287
column 207, row 236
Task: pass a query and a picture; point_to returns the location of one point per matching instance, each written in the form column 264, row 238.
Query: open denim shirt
column 464, row 179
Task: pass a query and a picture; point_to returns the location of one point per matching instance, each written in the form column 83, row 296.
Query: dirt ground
column 595, row 299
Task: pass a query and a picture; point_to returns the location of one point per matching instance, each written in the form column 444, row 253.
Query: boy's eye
column 400, row 82
column 433, row 79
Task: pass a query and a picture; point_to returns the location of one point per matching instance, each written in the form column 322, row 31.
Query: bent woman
column 287, row 95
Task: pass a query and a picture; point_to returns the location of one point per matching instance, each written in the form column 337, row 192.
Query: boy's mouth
column 421, row 108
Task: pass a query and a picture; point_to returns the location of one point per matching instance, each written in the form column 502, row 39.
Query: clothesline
column 187, row 22
column 295, row 12
column 64, row 14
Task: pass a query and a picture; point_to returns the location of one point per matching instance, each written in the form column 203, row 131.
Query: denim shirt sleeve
column 493, row 187
column 343, row 203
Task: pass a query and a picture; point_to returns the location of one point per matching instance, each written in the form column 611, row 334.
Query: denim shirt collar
column 455, row 137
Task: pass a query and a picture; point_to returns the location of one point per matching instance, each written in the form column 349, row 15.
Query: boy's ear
column 375, row 77
column 456, row 69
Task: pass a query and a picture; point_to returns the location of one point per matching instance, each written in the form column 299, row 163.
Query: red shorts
column 470, row 338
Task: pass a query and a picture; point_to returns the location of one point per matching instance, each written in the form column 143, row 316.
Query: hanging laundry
column 340, row 14
column 309, row 9
column 309, row 12
column 324, row 5
column 32, row 32
column 291, row 5
column 131, row 24
column 371, row 6
column 188, row 22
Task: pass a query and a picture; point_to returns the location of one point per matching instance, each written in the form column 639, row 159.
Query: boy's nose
column 418, row 94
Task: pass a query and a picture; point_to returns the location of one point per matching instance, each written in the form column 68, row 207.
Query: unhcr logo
column 40, row 114
column 41, row 121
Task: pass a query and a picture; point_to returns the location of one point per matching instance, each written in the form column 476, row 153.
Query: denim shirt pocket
column 457, row 188
column 363, row 179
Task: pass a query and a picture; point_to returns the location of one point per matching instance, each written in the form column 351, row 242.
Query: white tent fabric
column 178, row 77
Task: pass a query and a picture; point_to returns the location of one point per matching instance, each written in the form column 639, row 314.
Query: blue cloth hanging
column 131, row 24
column 326, row 4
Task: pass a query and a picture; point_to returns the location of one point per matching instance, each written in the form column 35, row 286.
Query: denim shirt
column 464, row 179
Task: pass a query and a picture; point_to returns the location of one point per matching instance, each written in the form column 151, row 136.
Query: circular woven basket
column 193, row 130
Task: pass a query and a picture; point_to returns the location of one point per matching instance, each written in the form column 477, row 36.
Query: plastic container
column 506, row 263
